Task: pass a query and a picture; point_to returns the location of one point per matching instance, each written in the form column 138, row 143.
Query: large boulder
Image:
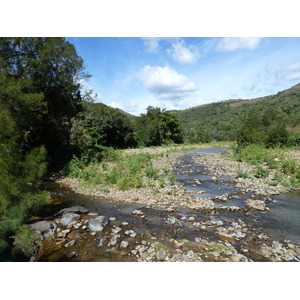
column 98, row 224
column 74, row 209
column 43, row 228
column 68, row 218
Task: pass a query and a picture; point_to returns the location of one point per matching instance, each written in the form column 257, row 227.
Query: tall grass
column 122, row 170
column 264, row 160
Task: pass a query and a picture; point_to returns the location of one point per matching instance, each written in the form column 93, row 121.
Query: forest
column 47, row 121
column 223, row 120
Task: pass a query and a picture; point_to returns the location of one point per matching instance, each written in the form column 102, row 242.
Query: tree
column 50, row 68
column 39, row 94
column 157, row 127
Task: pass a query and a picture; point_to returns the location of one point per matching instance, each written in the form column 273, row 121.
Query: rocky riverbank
column 174, row 224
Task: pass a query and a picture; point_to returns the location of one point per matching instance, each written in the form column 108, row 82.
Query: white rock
column 69, row 244
column 124, row 244
column 133, row 234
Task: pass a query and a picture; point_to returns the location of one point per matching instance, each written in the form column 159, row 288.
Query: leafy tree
column 51, row 69
column 100, row 125
column 157, row 127
column 39, row 94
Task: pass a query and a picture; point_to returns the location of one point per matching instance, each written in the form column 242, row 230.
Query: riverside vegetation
column 48, row 125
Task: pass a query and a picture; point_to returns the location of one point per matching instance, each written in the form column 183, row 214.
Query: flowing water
column 281, row 222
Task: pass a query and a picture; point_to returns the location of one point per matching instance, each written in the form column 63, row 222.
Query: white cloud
column 152, row 43
column 292, row 72
column 165, row 83
column 233, row 43
column 287, row 72
column 184, row 54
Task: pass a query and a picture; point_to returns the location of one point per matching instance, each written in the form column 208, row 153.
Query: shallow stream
column 281, row 222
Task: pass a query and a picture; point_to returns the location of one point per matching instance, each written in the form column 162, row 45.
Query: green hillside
column 222, row 120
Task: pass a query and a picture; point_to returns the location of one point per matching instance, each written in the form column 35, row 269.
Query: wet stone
column 161, row 255
column 70, row 244
column 69, row 218
column 124, row 244
column 71, row 254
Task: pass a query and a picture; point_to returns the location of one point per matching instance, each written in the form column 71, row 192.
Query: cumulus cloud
column 165, row 83
column 227, row 44
column 184, row 54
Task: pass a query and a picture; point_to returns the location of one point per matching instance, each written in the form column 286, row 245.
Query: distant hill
column 222, row 120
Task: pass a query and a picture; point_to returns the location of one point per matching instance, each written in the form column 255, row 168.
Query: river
column 281, row 222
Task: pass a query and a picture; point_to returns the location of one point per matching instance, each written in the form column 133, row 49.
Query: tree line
column 45, row 119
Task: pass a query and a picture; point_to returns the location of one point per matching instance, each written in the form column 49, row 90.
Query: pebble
column 134, row 251
column 70, row 244
column 113, row 242
column 125, row 223
column 124, row 244
column 71, row 254
column 116, row 230
column 112, row 219
column 161, row 255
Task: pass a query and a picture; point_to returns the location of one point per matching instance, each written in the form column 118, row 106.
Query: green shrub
column 151, row 173
column 261, row 172
column 293, row 140
column 242, row 174
column 277, row 136
column 290, row 166
column 26, row 242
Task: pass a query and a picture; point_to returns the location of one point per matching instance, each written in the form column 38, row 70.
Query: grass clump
column 286, row 170
column 218, row 247
column 242, row 173
column 124, row 171
column 261, row 172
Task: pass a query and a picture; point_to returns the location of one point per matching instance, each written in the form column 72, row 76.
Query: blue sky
column 178, row 73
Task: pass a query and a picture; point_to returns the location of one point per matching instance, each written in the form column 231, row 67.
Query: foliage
column 44, row 74
column 293, row 140
column 39, row 94
column 157, row 127
column 123, row 171
column 224, row 120
column 101, row 125
column 26, row 241
column 261, row 172
column 265, row 159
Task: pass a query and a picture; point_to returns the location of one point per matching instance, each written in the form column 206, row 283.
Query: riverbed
column 225, row 230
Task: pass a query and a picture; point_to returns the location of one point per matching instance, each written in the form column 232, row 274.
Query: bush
column 26, row 242
column 293, row 140
column 242, row 174
column 290, row 166
column 277, row 136
column 261, row 172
